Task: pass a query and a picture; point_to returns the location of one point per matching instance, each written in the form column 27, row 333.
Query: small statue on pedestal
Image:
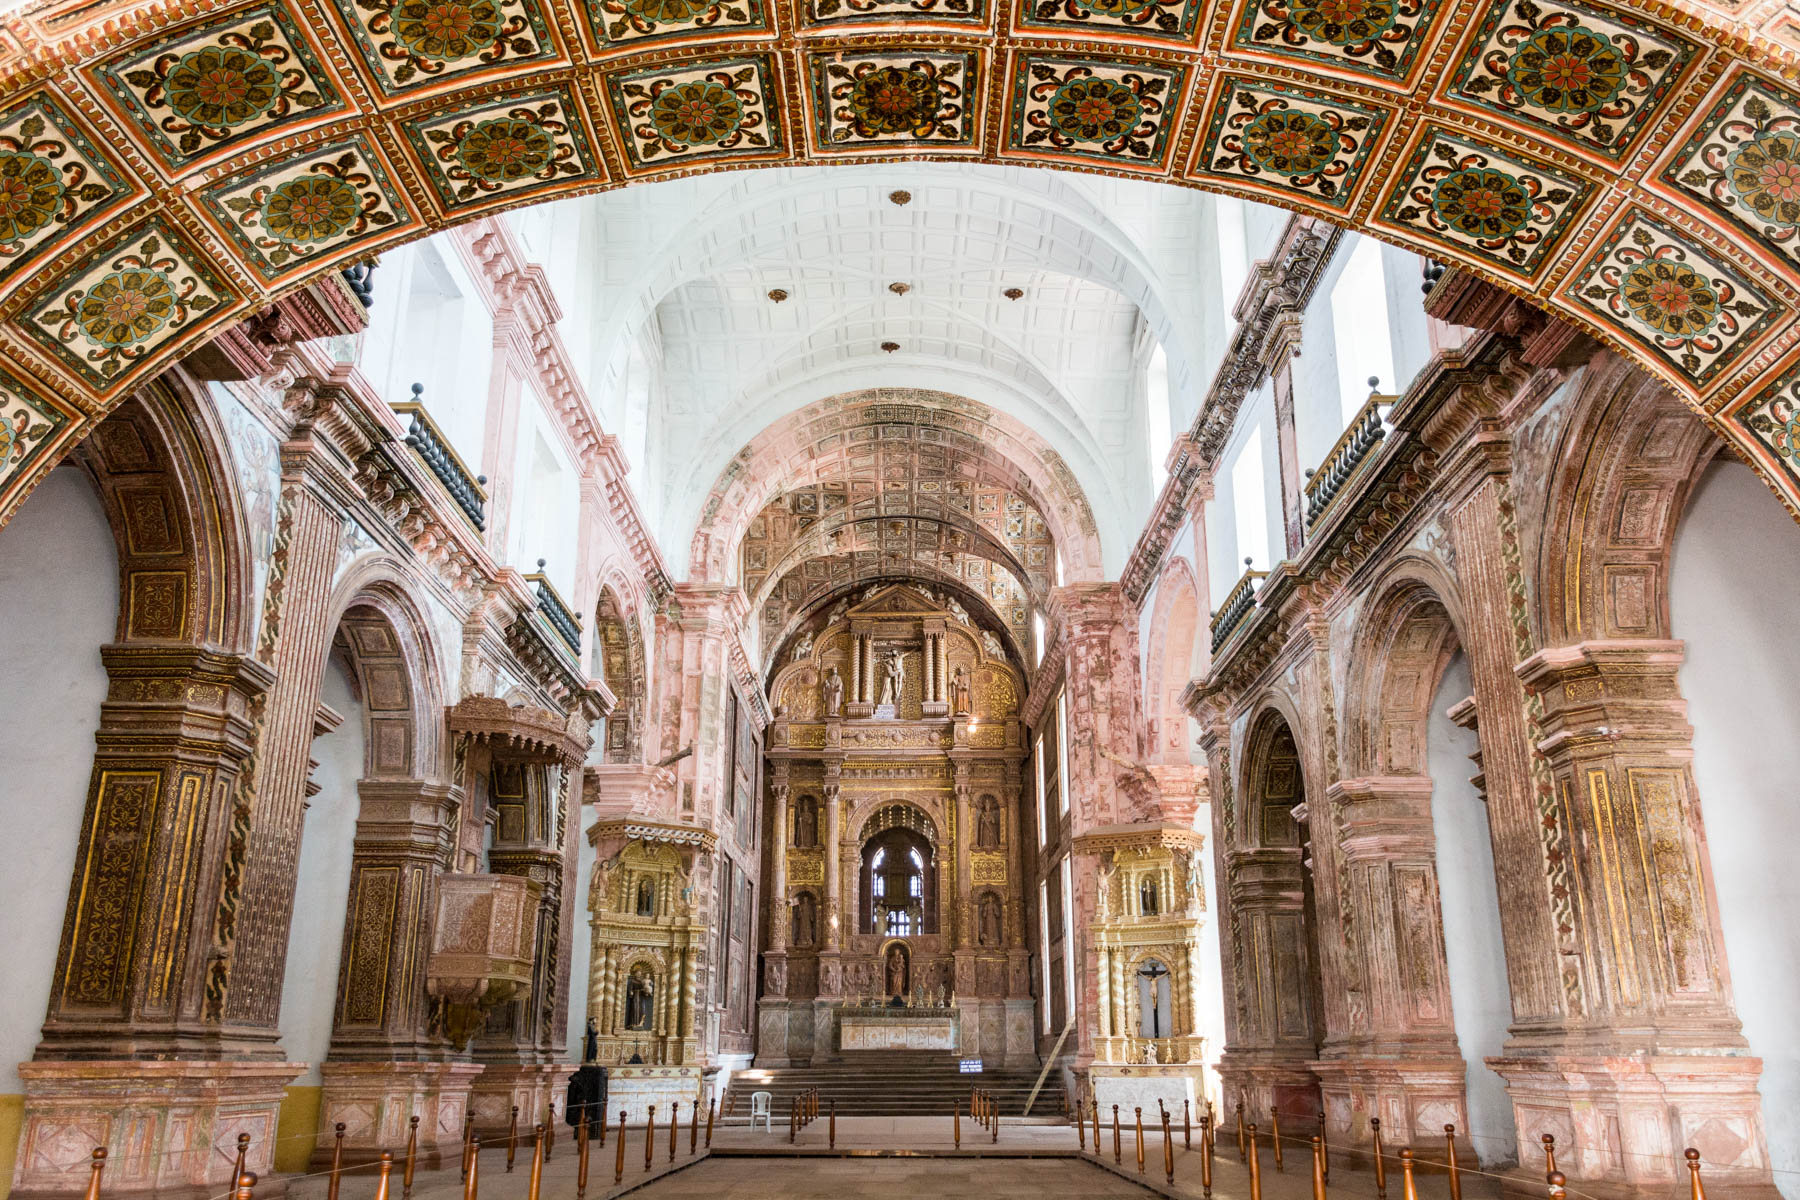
column 834, row 692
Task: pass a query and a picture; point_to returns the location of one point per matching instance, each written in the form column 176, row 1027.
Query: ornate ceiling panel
column 168, row 166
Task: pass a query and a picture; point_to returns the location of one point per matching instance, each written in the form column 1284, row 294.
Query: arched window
column 1362, row 337
column 899, row 879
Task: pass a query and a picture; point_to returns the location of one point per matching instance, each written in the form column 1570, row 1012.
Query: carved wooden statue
column 896, row 972
column 959, row 691
column 989, row 922
column 640, row 992
column 834, row 692
column 987, row 824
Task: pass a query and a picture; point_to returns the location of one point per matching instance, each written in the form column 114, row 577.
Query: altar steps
column 891, row 1084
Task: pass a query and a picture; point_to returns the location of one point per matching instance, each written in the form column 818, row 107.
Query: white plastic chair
column 760, row 1107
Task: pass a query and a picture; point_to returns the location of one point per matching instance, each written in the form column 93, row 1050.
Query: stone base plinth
column 1265, row 1081
column 1142, row 1086
column 1622, row 1123
column 531, row 1087
column 168, row 1127
column 632, row 1090
column 1414, row 1098
column 375, row 1101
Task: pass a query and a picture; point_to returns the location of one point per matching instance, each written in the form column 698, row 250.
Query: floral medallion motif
column 1095, row 108
column 1376, row 37
column 413, row 44
column 1288, row 139
column 1594, row 80
column 1471, row 197
column 1171, row 20
column 1770, row 419
column 126, row 303
column 294, row 210
column 504, row 148
column 29, row 424
column 713, row 108
column 895, row 12
column 1743, row 163
column 1669, row 296
column 217, row 84
column 887, row 100
column 619, row 23
column 51, row 178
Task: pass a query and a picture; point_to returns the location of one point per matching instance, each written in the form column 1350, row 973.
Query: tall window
column 1360, row 329
column 1158, row 420
column 1248, row 504
column 1234, row 250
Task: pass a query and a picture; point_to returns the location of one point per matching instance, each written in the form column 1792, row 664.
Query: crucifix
column 1153, row 973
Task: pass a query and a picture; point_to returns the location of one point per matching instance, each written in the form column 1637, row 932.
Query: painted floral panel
column 414, row 44
column 503, row 148
column 1292, row 140
column 1671, row 297
column 918, row 99
column 619, row 24
column 1592, row 79
column 1507, row 209
column 1167, row 20
column 1772, row 420
column 1380, row 38
column 1743, row 163
column 52, row 179
column 1118, row 112
column 307, row 207
column 29, row 424
column 214, row 85
column 894, row 12
column 718, row 108
column 129, row 300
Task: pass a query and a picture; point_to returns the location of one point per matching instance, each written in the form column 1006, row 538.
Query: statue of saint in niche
column 806, row 919
column 988, row 926
column 896, row 973
column 646, row 898
column 806, row 823
column 834, row 692
column 959, row 691
column 987, row 825
column 1147, row 898
column 893, row 678
column 640, row 991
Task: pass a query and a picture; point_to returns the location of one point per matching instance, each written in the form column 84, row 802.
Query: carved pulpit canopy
column 521, row 733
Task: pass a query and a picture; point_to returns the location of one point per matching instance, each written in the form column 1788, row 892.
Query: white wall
column 1732, row 597
column 59, row 589
column 581, row 946
column 327, row 842
column 1475, row 956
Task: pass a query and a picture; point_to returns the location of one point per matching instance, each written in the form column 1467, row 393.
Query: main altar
column 895, row 903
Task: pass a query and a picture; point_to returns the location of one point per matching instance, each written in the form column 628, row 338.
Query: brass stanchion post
column 549, row 1129
column 1318, row 1147
column 1168, row 1150
column 512, row 1139
column 1212, row 1125
column 1254, row 1160
column 1450, row 1162
column 1275, row 1136
column 674, row 1127
column 383, row 1170
column 956, row 1122
column 1380, row 1159
column 97, row 1167
column 243, row 1152
column 1243, row 1153
column 583, row 1139
column 994, row 1119
column 536, row 1182
column 833, row 1126
column 246, row 1186
column 710, row 1106
column 1187, row 1133
column 412, row 1157
column 793, row 1119
column 1324, row 1146
column 1696, row 1191
column 619, row 1163
column 1138, row 1128
column 1118, row 1150
column 1206, row 1153
column 1081, row 1129
column 1094, row 1105
column 1549, row 1143
column 649, row 1136
column 1558, row 1185
column 337, row 1162
column 472, row 1177
column 468, row 1137
column 1408, row 1189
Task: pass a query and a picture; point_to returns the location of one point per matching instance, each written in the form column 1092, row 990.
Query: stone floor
column 889, row 1179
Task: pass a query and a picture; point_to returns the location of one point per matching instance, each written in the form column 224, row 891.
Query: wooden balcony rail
column 1237, row 606
column 433, row 449
column 550, row 603
column 1354, row 448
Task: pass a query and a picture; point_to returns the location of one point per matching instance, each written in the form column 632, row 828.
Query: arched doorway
column 898, row 894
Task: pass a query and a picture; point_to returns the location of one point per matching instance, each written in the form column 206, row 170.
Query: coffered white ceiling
column 1105, row 268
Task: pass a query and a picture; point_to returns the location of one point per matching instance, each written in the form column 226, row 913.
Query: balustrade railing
column 550, row 603
column 433, row 449
column 1238, row 603
column 1355, row 447
column 361, row 278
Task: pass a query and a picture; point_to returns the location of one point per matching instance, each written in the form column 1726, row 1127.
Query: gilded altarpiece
column 894, row 855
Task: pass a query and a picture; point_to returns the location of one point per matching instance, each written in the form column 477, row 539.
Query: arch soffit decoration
column 862, row 819
column 812, row 545
column 396, row 666
column 173, row 196
column 1403, row 640
column 1176, row 584
column 811, row 445
column 1269, row 716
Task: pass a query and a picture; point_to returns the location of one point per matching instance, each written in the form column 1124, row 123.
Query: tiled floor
column 888, row 1179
